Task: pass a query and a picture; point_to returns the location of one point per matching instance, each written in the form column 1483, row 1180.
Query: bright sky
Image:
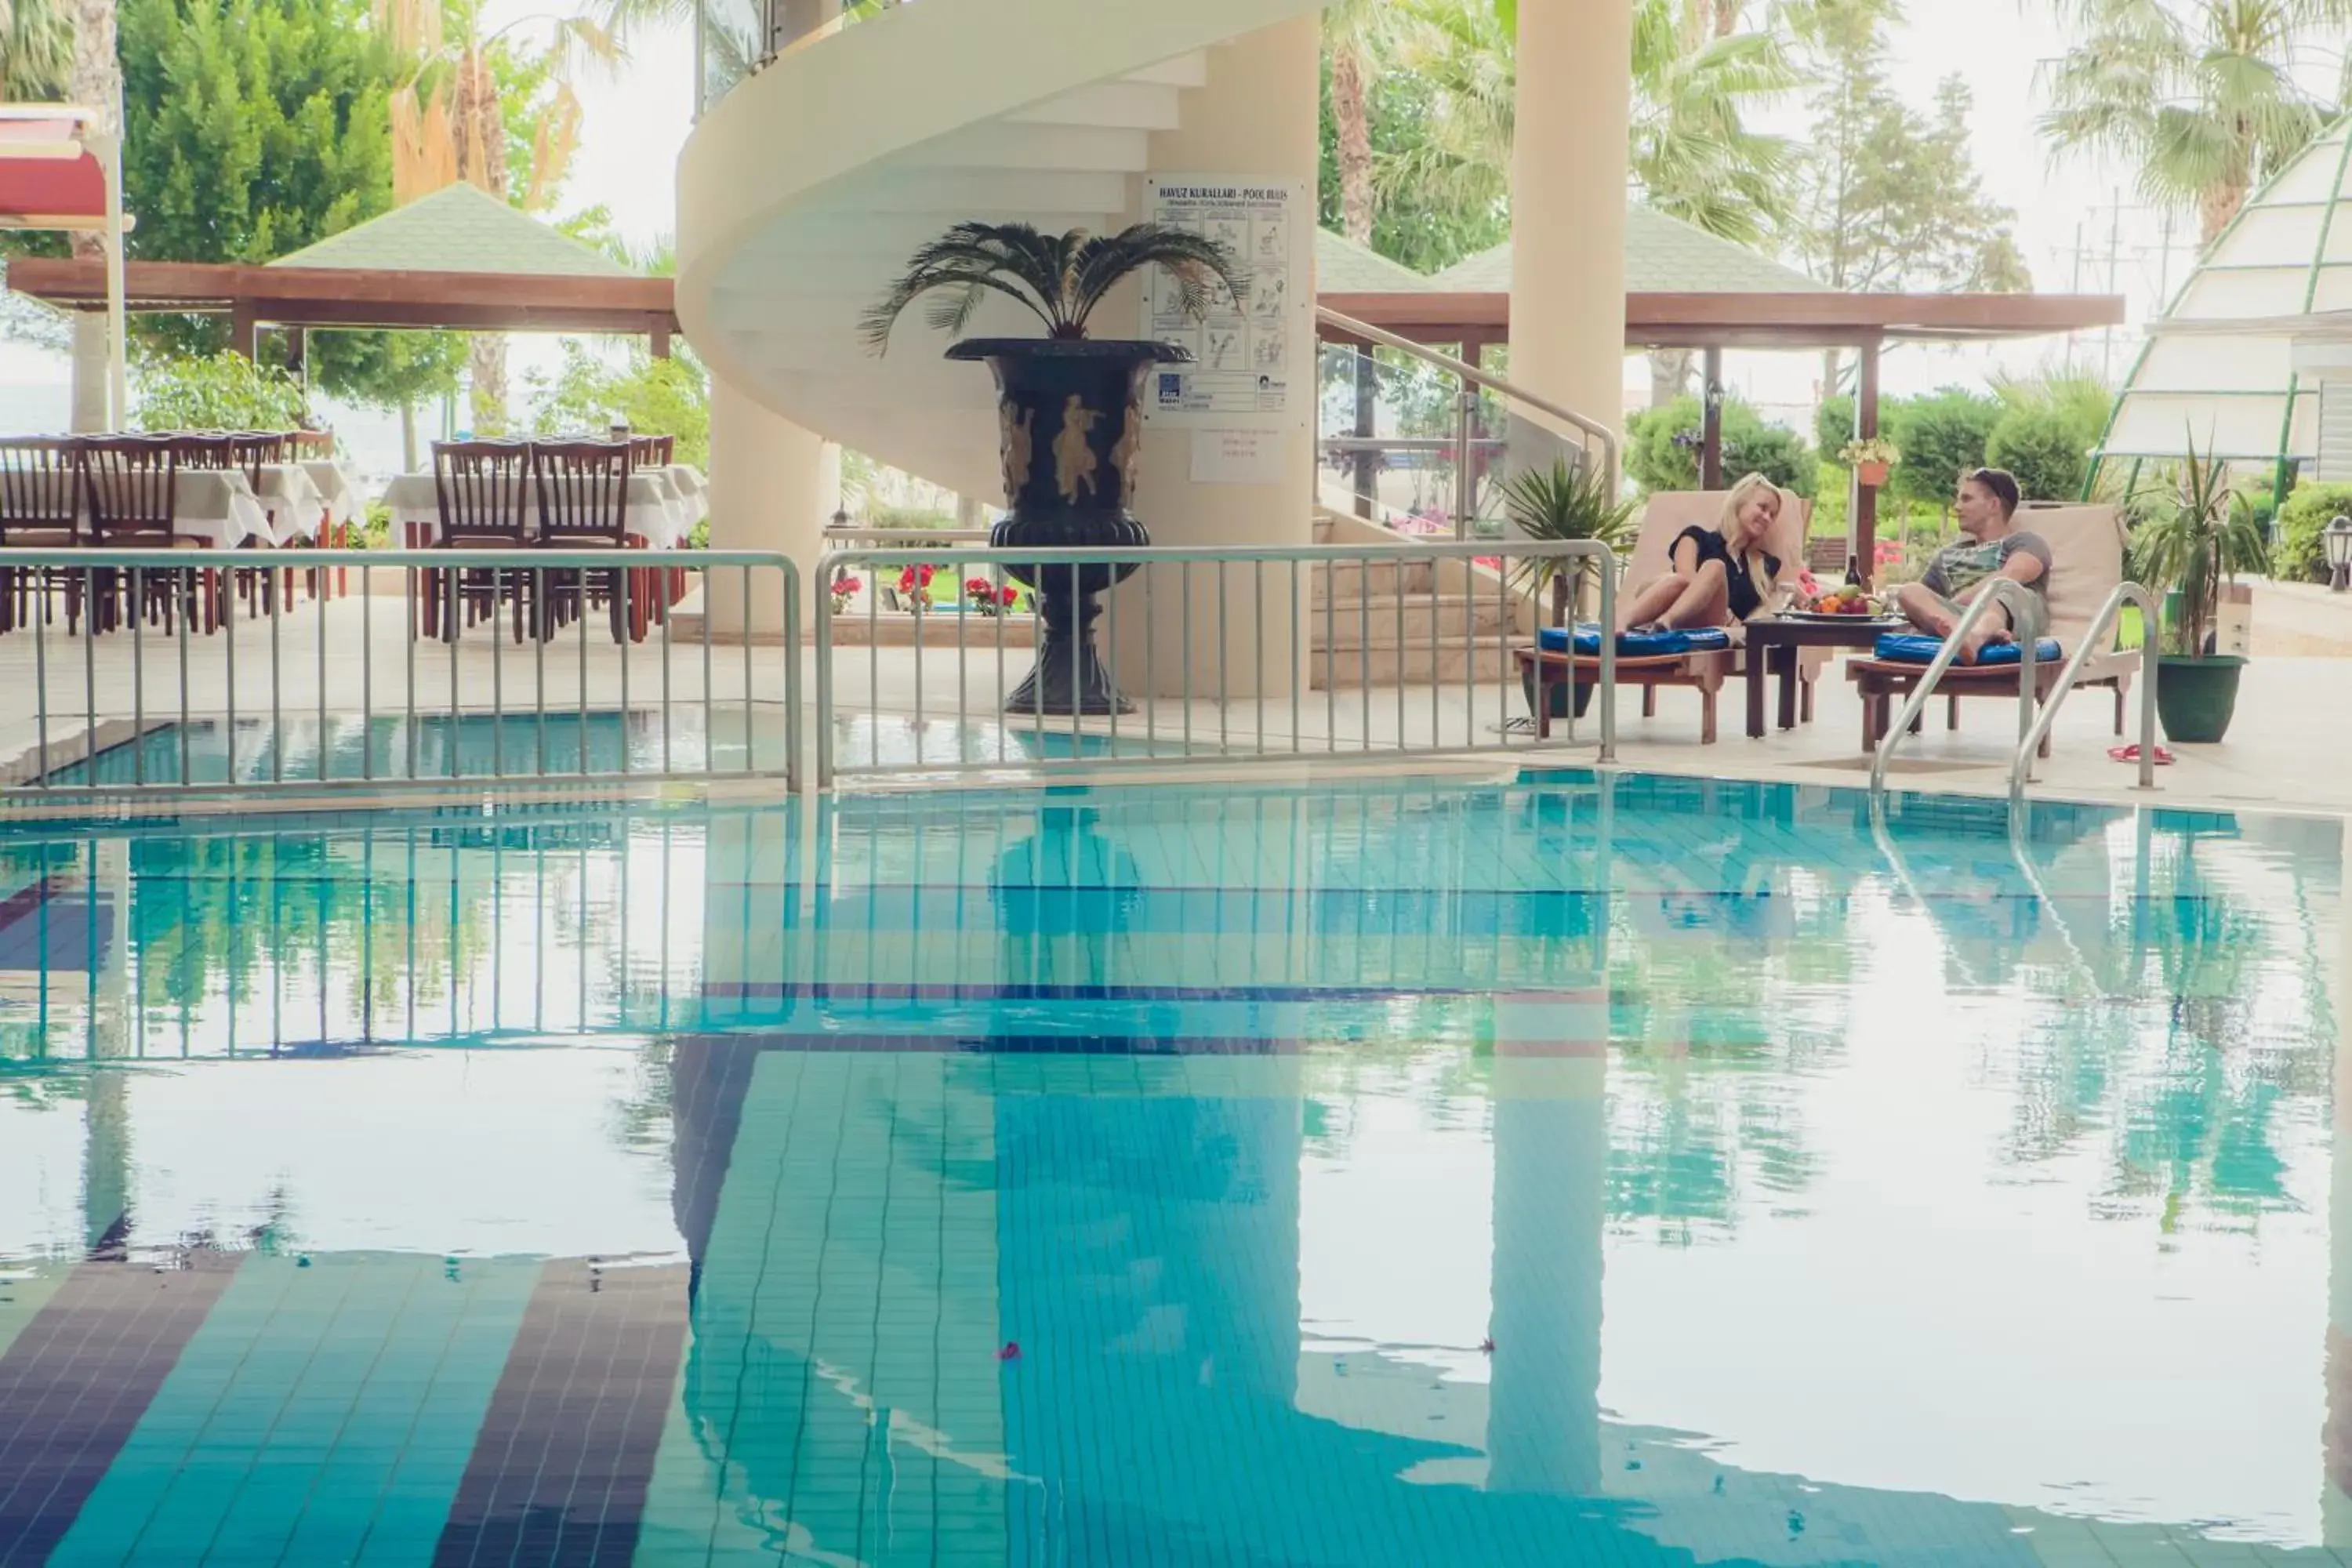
column 634, row 124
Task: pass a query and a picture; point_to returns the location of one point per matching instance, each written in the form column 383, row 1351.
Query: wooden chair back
column 652, row 451
column 584, row 492
column 40, row 496
column 1667, row 512
column 129, row 486
column 481, row 489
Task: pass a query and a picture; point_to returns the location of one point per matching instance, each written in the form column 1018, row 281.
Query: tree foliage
column 654, row 396
column 2046, row 433
column 1942, row 436
column 253, row 127
column 1661, row 447
column 2202, row 99
column 1892, row 198
column 221, row 391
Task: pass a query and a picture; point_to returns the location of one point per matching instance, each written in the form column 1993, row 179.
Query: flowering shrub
column 987, row 598
column 915, row 583
column 841, row 588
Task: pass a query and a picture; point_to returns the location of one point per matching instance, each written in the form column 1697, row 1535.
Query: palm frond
column 1060, row 279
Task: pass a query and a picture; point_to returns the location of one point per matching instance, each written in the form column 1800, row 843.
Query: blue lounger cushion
column 1586, row 640
column 1915, row 648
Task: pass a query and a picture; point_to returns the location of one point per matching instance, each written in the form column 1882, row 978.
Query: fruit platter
column 1850, row 602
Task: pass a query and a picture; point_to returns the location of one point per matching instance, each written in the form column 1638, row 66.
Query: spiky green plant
column 1565, row 502
column 2199, row 533
column 1060, row 279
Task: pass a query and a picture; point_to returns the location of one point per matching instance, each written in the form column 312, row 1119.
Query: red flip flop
column 2131, row 754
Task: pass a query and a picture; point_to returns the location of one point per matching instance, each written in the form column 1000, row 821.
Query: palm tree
column 1356, row 36
column 449, row 123
column 2203, row 99
column 1060, row 279
column 1696, row 79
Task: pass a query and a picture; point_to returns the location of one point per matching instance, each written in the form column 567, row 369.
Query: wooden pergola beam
column 335, row 297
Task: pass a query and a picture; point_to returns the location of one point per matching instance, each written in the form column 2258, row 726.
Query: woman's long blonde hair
column 1728, row 527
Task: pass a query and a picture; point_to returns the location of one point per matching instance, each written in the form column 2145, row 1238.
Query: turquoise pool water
column 1563, row 1170
column 688, row 739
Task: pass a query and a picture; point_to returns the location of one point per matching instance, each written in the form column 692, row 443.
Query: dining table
column 660, row 511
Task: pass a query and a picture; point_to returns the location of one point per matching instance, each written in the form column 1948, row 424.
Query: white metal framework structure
column 2243, row 358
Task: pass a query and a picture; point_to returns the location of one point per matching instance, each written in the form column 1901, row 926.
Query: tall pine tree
column 253, row 127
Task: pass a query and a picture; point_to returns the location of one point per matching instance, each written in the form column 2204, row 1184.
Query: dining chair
column 239, row 452
column 652, row 451
column 482, row 490
column 583, row 489
column 129, row 492
column 39, row 511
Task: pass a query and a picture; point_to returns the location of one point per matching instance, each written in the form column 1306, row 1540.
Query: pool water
column 688, row 738
column 1564, row 1169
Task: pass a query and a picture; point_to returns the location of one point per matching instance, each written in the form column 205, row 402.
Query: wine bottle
column 1853, row 570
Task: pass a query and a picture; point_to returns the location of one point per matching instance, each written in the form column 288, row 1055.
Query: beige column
column 1568, row 204
column 773, row 485
column 1257, row 116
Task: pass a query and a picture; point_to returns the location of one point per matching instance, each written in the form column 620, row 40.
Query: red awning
column 48, row 178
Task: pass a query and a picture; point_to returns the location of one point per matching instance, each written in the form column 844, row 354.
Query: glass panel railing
column 1392, row 431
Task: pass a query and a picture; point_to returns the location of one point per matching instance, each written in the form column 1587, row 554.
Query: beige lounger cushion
column 2087, row 545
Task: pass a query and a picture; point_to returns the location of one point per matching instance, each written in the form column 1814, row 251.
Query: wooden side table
column 1772, row 649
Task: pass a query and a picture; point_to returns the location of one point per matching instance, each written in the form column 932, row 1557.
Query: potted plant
column 2195, row 535
column 1871, row 458
column 1564, row 503
column 1069, row 410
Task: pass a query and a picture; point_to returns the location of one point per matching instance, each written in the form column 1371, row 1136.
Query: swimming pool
column 1563, row 1169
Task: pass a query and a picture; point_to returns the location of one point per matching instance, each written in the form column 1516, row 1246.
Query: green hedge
column 2301, row 556
column 1659, row 461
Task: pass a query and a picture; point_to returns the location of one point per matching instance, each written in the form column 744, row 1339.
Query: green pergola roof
column 1663, row 256
column 458, row 228
column 1343, row 267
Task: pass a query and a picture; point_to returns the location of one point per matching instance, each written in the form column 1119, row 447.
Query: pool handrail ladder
column 2103, row 623
column 2002, row 590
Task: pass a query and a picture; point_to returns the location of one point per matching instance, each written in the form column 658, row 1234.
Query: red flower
column 977, row 585
column 1011, row 593
column 844, row 586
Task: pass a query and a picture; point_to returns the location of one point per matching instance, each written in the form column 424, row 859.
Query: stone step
column 1447, row 617
column 1345, row 582
column 1348, row 671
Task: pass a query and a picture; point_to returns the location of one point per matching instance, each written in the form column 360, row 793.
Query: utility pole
column 2114, row 250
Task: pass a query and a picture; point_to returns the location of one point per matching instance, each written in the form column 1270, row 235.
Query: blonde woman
column 1721, row 577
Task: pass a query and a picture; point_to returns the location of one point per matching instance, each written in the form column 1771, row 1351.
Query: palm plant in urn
column 1069, row 411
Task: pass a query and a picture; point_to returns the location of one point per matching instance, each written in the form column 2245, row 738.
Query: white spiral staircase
column 803, row 192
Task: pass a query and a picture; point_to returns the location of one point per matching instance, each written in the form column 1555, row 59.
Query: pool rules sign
column 1252, row 379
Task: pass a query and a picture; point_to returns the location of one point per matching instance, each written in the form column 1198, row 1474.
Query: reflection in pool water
column 1400, row 1172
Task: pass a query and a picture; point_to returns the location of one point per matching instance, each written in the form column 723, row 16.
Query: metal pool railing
column 1224, row 654
column 249, row 670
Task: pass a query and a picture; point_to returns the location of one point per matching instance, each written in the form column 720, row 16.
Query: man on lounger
column 1995, row 547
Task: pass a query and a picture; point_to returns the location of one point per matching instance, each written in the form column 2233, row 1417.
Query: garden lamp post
column 2338, row 541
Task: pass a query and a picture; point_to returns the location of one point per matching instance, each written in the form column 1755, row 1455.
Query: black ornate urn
column 1070, row 428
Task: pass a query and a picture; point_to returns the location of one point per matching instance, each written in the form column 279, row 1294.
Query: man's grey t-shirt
column 1957, row 568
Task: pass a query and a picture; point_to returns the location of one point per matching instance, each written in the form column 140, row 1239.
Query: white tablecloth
column 219, row 506
column 335, row 485
column 654, row 512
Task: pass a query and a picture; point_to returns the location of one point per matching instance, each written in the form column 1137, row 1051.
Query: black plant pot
column 1070, row 427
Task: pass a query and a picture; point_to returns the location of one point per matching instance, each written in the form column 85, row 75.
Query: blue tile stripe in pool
column 561, row 1467
column 323, row 1412
column 80, row 1378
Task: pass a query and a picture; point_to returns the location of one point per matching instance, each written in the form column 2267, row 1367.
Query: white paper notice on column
column 1254, row 358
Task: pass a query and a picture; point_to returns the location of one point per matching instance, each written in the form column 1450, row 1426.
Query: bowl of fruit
column 1849, row 601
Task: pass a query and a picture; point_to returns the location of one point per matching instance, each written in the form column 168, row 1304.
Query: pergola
column 1686, row 289
column 60, row 169
column 457, row 259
